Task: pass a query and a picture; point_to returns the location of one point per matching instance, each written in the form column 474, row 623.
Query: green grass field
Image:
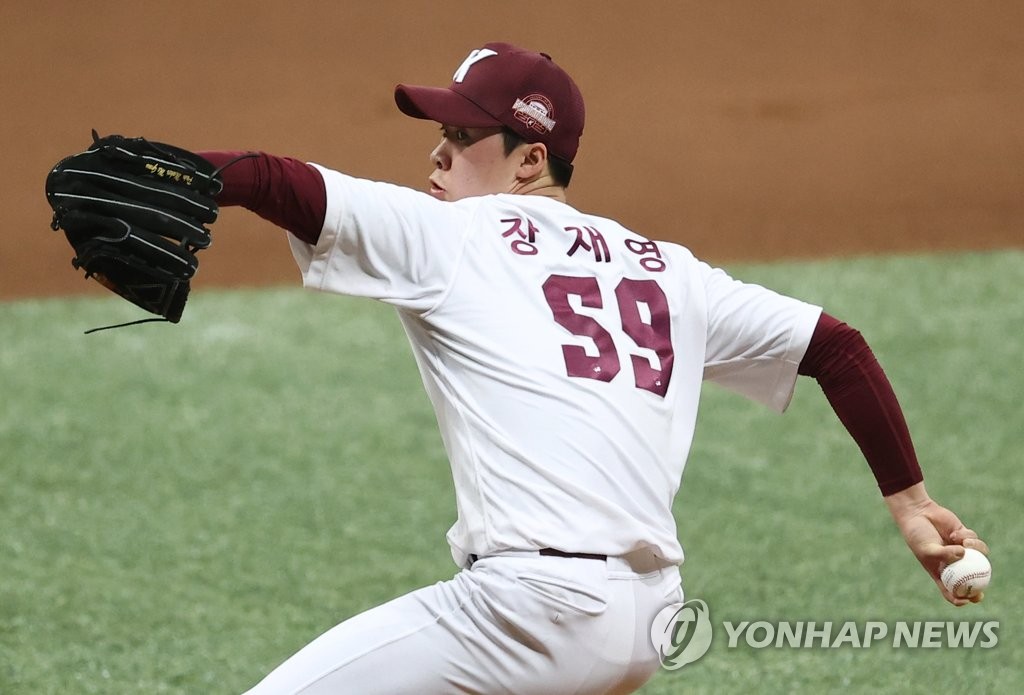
column 182, row 507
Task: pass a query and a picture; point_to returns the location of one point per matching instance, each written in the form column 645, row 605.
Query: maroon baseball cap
column 502, row 84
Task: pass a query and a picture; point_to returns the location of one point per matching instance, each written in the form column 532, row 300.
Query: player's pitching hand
column 934, row 534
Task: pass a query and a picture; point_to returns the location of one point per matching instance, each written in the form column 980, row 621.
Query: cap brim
column 442, row 105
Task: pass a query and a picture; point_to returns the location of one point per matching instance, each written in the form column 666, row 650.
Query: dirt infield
column 745, row 130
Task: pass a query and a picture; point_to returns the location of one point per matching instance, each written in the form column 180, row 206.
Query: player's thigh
column 402, row 646
column 505, row 627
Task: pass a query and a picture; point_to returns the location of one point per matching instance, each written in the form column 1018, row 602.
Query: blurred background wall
column 742, row 129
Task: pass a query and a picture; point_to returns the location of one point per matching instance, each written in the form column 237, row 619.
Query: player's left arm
column 349, row 235
column 285, row 191
column 861, row 395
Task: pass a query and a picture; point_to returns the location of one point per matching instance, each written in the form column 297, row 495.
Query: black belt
column 551, row 552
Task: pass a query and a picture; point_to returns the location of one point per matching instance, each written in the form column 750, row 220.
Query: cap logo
column 535, row 111
column 472, row 59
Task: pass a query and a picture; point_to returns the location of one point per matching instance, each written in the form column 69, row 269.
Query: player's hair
column 561, row 170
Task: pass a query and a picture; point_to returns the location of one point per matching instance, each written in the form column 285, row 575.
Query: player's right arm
column 860, row 393
column 758, row 342
column 934, row 534
column 858, row 390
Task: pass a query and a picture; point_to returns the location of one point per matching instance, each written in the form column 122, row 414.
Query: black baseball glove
column 134, row 211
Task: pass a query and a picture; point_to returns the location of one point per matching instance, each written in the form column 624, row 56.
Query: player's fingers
column 977, row 544
column 949, row 596
column 961, row 534
column 939, row 554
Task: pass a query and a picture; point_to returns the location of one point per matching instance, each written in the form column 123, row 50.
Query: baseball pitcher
column 563, row 354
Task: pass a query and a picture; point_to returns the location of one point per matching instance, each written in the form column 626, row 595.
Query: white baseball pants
column 513, row 623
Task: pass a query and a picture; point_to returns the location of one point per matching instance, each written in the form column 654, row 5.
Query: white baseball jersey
column 562, row 352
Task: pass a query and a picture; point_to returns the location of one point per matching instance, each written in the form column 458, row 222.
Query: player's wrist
column 908, row 501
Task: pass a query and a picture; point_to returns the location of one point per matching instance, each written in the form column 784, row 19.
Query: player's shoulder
column 358, row 192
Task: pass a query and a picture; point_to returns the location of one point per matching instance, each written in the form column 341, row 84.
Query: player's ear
column 533, row 160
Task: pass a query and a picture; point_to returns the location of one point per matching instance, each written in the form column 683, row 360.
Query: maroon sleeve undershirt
column 858, row 390
column 285, row 191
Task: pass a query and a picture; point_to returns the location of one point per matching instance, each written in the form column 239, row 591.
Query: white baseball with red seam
column 968, row 576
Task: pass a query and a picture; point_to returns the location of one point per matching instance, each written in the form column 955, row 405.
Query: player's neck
column 543, row 186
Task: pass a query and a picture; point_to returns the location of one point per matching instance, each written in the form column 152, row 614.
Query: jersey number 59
column 635, row 298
